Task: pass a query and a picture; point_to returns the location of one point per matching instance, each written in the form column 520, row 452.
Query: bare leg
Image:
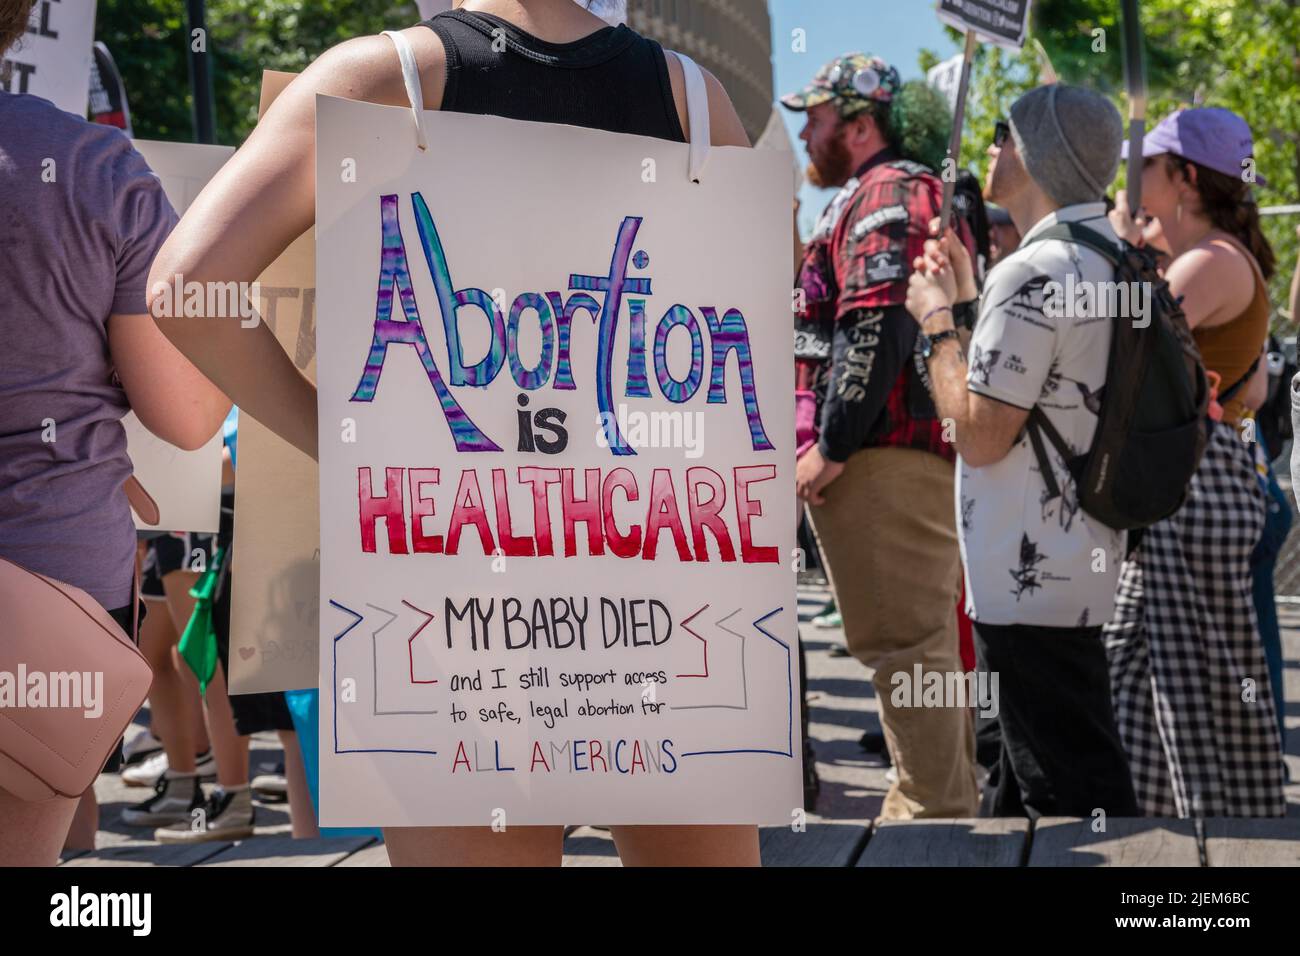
column 193, row 703
column 474, row 846
column 687, row 845
column 302, row 815
column 230, row 749
column 31, row 834
column 169, row 716
column 85, row 823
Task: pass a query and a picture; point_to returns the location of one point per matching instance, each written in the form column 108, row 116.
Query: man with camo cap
column 878, row 480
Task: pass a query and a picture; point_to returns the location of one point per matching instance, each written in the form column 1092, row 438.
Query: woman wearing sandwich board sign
column 726, row 758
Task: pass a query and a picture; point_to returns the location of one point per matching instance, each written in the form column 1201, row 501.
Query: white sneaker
column 142, row 745
column 148, row 774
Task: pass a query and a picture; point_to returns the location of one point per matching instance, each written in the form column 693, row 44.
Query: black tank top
column 613, row 79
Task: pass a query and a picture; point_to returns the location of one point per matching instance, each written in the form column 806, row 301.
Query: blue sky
column 896, row 30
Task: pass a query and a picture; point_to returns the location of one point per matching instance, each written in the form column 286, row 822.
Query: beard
column 832, row 166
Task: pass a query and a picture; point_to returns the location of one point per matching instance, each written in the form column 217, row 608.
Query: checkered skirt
column 1188, row 676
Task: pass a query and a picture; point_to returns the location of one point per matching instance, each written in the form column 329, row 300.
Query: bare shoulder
column 368, row 69
column 725, row 127
column 1216, row 280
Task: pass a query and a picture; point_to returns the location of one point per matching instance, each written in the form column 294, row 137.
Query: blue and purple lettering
column 672, row 389
column 732, row 333
column 394, row 273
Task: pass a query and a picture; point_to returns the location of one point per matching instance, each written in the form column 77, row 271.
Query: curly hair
column 917, row 123
column 14, row 15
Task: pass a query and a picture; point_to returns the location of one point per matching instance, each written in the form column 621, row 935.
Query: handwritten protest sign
column 185, row 484
column 556, row 476
column 275, row 591
column 53, row 59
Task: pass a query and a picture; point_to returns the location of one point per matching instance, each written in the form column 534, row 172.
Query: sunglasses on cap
column 1001, row 130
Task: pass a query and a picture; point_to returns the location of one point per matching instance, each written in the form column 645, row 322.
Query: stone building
column 731, row 38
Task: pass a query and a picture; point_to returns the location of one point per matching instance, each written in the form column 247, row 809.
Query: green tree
column 1238, row 55
column 150, row 40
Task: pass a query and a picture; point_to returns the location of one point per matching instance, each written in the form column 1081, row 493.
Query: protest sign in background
column 275, row 594
column 946, row 78
column 53, row 59
column 1003, row 22
column 528, row 616
column 185, row 484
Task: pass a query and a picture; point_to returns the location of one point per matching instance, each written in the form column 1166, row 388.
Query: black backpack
column 1152, row 424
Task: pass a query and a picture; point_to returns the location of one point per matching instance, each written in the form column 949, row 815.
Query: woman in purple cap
column 1188, row 673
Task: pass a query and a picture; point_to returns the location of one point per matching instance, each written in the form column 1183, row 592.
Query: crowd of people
column 953, row 402
column 944, row 405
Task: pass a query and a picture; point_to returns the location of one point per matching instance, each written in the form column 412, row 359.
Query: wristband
column 935, row 311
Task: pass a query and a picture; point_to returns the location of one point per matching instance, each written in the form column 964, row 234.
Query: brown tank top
column 1232, row 347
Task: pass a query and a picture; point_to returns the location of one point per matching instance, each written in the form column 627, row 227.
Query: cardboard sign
column 556, row 476
column 185, row 484
column 1004, row 22
column 53, row 59
column 275, row 596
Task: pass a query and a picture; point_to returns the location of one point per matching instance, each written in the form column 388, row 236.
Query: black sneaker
column 174, row 800
column 228, row 815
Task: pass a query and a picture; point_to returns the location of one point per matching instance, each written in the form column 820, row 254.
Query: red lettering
column 469, row 508
column 541, row 479
column 421, row 508
column 512, row 546
column 707, row 514
column 388, row 507
column 585, row 510
column 747, row 508
column 663, row 511
column 625, row 546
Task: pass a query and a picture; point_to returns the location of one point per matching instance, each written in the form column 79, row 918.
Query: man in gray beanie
column 1040, row 572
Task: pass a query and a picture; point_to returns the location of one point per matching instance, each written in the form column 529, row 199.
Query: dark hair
column 1230, row 207
column 14, row 15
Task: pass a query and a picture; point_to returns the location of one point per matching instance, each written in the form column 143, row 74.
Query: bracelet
column 934, row 311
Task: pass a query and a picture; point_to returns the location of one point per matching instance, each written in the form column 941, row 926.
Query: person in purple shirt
column 81, row 219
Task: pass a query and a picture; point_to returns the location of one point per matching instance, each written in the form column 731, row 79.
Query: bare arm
column 1215, row 281
column 259, row 202
column 984, row 429
column 168, row 394
column 725, row 127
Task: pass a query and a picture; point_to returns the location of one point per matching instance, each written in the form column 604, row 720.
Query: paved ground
column 853, row 786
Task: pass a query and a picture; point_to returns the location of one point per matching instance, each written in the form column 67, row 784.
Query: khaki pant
column 887, row 532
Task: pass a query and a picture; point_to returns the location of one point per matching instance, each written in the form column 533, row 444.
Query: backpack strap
column 1081, row 234
column 1039, row 424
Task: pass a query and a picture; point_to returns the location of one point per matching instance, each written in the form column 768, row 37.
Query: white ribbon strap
column 411, row 77
column 697, row 115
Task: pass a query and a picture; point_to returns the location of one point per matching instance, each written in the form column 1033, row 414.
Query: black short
column 253, row 713
column 176, row 551
column 124, row 619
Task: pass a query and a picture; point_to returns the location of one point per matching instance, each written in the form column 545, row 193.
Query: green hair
column 919, row 124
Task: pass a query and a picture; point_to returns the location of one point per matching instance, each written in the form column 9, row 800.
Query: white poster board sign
column 530, row 612
column 1003, row 22
column 185, row 484
column 946, row 78
column 53, row 59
